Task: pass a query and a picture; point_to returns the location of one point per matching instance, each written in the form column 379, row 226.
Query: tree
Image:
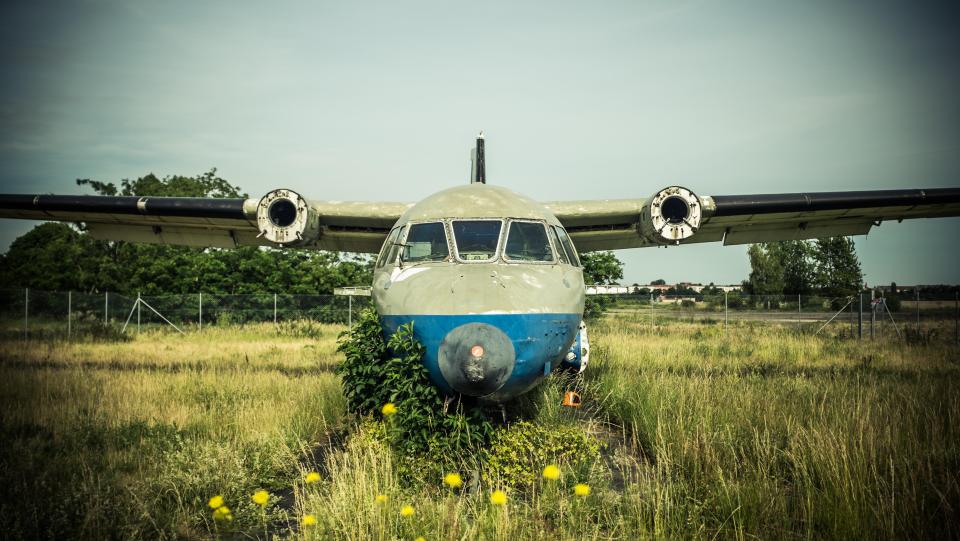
column 795, row 258
column 599, row 268
column 203, row 185
column 837, row 269
column 711, row 290
column 679, row 290
column 766, row 272
column 55, row 256
column 659, row 282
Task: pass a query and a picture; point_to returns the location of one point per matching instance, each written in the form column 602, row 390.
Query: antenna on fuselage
column 478, row 170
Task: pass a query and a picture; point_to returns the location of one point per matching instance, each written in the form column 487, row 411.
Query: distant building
column 654, row 289
column 608, row 290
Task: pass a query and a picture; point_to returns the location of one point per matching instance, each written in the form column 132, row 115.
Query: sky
column 578, row 100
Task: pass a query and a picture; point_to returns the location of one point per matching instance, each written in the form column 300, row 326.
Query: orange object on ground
column 571, row 399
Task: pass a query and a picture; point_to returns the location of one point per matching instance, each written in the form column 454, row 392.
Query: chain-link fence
column 34, row 314
column 868, row 315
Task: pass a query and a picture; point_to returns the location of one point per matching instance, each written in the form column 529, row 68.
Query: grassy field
column 755, row 432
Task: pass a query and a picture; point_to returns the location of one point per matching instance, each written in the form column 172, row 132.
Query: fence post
column 106, row 308
column 860, row 319
column 138, row 312
column 851, row 317
column 799, row 314
column 350, row 311
column 873, row 313
column 956, row 315
column 724, row 311
column 917, row 291
column 274, row 309
column 26, row 313
column 69, row 311
column 201, row 311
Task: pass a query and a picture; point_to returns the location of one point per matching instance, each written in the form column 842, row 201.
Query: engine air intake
column 285, row 217
column 673, row 214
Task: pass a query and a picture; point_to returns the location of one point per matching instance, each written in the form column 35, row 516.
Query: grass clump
column 300, row 328
column 516, row 454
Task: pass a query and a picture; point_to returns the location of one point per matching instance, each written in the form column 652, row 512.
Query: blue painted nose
column 508, row 366
column 476, row 359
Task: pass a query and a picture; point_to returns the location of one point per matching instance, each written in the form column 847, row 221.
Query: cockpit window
column 476, row 239
column 387, row 246
column 391, row 247
column 425, row 242
column 568, row 246
column 561, row 253
column 527, row 241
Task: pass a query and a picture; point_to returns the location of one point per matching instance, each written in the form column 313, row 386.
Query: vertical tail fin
column 478, row 169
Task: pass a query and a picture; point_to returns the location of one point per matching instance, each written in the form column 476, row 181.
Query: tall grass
column 752, row 432
column 129, row 440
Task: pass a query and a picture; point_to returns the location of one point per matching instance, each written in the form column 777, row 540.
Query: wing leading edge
column 743, row 219
column 224, row 223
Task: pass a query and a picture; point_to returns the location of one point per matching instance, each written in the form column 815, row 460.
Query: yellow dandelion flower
column 309, row 520
column 498, row 497
column 407, row 511
column 260, row 497
column 388, row 409
column 453, row 480
column 381, row 498
column 312, row 477
column 222, row 513
column 421, row 538
column 215, row 502
column 551, row 472
column 581, row 490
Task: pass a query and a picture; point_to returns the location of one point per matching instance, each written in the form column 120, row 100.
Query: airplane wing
column 675, row 215
column 282, row 217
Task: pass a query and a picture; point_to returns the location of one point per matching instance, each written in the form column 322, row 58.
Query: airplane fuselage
column 492, row 286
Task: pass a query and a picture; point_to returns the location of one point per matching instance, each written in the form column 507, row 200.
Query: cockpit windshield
column 476, row 239
column 425, row 242
column 527, row 241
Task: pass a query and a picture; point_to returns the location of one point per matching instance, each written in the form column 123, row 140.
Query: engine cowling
column 286, row 218
column 672, row 215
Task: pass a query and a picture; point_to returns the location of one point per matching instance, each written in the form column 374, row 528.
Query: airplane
column 491, row 279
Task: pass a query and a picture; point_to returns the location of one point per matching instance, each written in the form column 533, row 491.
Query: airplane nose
column 476, row 359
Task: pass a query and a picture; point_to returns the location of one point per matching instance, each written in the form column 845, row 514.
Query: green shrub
column 517, row 455
column 431, row 432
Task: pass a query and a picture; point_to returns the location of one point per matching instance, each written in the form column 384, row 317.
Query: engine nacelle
column 285, row 217
column 673, row 214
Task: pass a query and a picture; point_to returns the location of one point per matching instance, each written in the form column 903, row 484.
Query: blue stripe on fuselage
column 537, row 339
